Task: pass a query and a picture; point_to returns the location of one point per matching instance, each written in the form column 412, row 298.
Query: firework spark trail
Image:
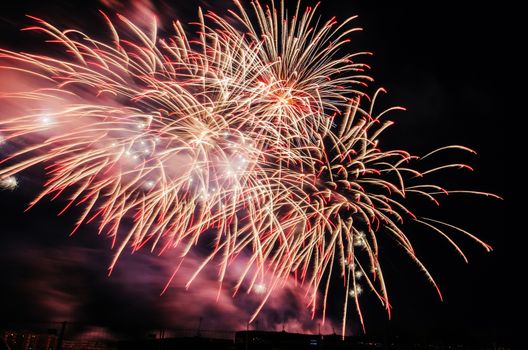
column 257, row 134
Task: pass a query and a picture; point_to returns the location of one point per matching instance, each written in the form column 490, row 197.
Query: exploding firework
column 256, row 135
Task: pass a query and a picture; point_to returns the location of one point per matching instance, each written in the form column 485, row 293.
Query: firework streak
column 255, row 136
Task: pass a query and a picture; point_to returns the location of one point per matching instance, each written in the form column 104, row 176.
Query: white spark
column 353, row 293
column 9, row 183
column 260, row 288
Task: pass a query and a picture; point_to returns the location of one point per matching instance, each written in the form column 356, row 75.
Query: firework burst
column 256, row 135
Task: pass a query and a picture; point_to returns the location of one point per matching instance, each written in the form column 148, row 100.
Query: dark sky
column 438, row 59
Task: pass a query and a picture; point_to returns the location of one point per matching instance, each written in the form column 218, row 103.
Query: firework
column 255, row 135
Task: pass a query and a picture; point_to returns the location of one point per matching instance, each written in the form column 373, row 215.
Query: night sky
column 437, row 59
